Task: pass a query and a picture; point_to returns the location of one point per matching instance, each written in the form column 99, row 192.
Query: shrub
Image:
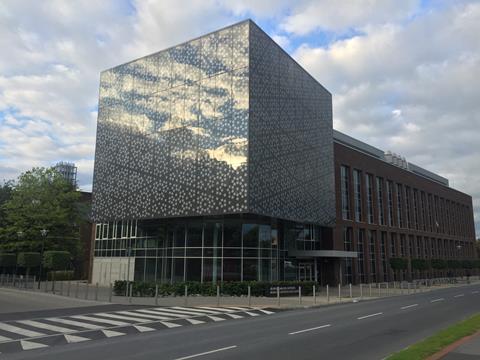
column 29, row 259
column 398, row 264
column 56, row 260
column 7, row 260
column 420, row 264
column 439, row 264
column 60, row 275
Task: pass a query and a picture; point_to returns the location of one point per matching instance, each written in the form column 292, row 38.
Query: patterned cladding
column 227, row 123
column 290, row 162
column 172, row 132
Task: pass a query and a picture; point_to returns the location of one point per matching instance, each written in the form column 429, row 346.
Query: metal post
column 361, row 291
column 387, row 289
column 278, row 296
column 96, row 291
column 249, row 296
column 370, row 289
column 300, row 295
column 186, row 295
column 218, row 295
column 408, row 288
column 130, row 293
column 46, row 285
column 328, row 295
column 339, row 291
column 110, row 292
column 314, row 295
column 378, row 289
column 34, row 282
column 350, row 289
column 69, row 284
column 86, row 292
column 156, row 295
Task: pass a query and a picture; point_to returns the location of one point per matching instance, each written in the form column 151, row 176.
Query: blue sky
column 403, row 74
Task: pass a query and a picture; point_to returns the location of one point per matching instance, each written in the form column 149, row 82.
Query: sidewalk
column 467, row 348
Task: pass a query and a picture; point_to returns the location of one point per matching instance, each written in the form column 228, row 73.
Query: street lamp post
column 44, row 233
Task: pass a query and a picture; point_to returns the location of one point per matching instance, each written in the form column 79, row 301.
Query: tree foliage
column 420, row 264
column 398, row 264
column 7, row 260
column 6, row 189
column 56, row 260
column 41, row 199
column 439, row 264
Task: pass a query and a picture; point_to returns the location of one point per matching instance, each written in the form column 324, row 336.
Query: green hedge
column 234, row 288
column 60, row 275
column 29, row 259
column 56, row 260
column 8, row 260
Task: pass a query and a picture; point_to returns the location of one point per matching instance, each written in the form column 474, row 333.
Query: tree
column 439, row 264
column 29, row 260
column 56, row 260
column 398, row 264
column 5, row 194
column 41, row 199
column 420, row 264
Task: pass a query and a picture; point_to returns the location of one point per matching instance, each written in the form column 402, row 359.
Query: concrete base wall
column 107, row 270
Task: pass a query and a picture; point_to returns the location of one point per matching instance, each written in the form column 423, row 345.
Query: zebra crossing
column 39, row 333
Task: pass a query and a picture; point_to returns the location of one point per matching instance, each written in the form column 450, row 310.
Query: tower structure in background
column 68, row 170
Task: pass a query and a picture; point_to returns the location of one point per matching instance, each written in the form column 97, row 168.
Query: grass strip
column 439, row 341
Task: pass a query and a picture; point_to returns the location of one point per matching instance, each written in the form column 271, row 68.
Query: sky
column 404, row 74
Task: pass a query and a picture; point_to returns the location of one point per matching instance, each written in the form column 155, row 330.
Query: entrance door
column 305, row 271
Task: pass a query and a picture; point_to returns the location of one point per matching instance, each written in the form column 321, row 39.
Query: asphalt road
column 364, row 330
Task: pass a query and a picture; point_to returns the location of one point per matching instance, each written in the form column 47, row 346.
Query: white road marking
column 311, row 329
column 207, row 352
column 155, row 312
column 235, row 316
column 459, row 295
column 148, row 316
column 75, row 323
column 75, row 339
column 143, row 328
column 121, row 317
column 475, row 292
column 240, row 308
column 170, row 325
column 195, row 322
column 435, row 300
column 4, row 338
column 174, row 312
column 266, row 311
column 103, row 321
column 368, row 316
column 214, row 318
column 110, row 333
column 20, row 331
column 202, row 310
column 44, row 326
column 408, row 306
column 30, row 345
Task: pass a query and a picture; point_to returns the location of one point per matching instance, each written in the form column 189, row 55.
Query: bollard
column 186, row 295
column 96, row 291
column 218, row 295
column 361, row 291
column 370, row 289
column 300, row 295
column 249, row 296
column 328, row 295
column 408, row 288
column 314, row 295
column 278, row 296
column 76, row 290
column 156, row 295
column 68, row 287
column 110, row 293
column 350, row 289
column 86, row 292
column 340, row 291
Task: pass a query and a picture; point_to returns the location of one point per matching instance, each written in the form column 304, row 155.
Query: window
column 390, row 202
column 402, row 245
column 381, row 218
column 347, row 271
column 393, row 245
column 344, row 180
column 373, row 254
column 347, row 239
column 430, row 211
column 361, row 255
column 424, row 214
column 399, row 206
column 415, row 208
column 357, row 194
column 369, row 183
column 383, row 255
column 407, row 205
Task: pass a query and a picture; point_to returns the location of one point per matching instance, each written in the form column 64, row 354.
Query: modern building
column 216, row 160
column 68, row 171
